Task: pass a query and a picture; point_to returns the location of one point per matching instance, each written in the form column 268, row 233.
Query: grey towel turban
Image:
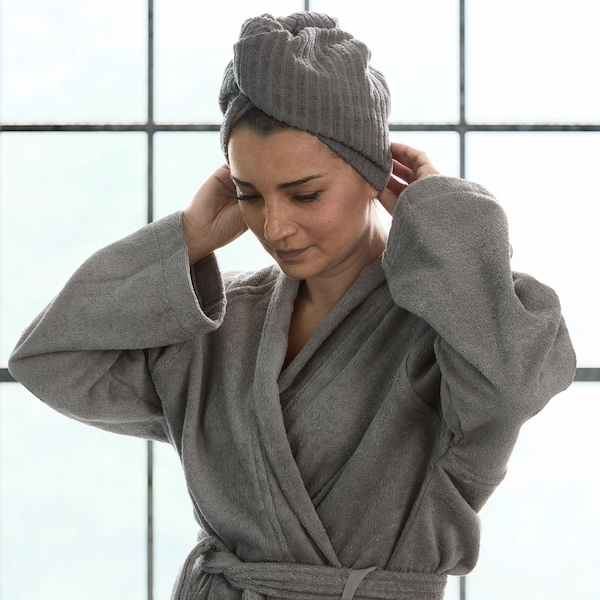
column 306, row 72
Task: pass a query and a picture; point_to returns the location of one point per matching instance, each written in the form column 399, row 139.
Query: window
column 109, row 119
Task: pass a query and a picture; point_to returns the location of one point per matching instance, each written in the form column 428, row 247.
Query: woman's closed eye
column 308, row 197
column 247, row 197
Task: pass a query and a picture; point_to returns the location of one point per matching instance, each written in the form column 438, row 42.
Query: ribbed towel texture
column 305, row 71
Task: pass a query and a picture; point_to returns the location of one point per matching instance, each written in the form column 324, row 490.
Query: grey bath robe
column 357, row 471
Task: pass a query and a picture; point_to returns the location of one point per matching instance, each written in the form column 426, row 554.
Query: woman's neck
column 323, row 293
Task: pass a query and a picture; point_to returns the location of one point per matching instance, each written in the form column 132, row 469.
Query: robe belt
column 290, row 581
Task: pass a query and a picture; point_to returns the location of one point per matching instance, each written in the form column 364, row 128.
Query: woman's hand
column 409, row 165
column 213, row 218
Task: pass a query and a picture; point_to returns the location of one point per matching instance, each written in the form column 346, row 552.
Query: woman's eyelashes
column 308, row 197
column 247, row 197
column 299, row 197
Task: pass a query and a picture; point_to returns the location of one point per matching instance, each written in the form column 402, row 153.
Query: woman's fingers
column 408, row 165
column 413, row 164
column 213, row 218
column 401, row 171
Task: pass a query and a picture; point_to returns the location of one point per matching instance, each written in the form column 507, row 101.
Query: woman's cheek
column 251, row 218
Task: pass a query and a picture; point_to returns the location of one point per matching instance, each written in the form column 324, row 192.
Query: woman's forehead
column 286, row 156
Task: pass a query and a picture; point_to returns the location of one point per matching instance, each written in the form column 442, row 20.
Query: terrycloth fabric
column 305, row 71
column 375, row 447
column 290, row 581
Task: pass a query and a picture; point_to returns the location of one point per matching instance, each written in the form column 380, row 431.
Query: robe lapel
column 268, row 385
column 273, row 437
column 370, row 278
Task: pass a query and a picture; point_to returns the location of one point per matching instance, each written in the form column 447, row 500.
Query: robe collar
column 269, row 382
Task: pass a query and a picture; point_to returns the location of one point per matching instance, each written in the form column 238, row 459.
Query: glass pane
column 194, row 43
column 175, row 529
column 71, row 61
column 547, row 183
column 542, row 525
column 442, row 148
column 62, row 196
column 182, row 162
column 73, row 506
column 417, row 54
column 453, row 589
column 534, row 61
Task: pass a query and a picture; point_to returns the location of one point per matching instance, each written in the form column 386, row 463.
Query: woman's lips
column 285, row 255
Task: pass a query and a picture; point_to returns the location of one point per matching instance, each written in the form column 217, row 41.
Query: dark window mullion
column 150, row 218
column 462, row 132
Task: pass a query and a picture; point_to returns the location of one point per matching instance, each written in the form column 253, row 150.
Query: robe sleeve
column 501, row 344
column 87, row 353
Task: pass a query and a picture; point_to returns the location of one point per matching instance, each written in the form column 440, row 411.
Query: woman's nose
column 279, row 221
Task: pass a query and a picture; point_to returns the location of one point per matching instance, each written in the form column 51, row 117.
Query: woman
column 343, row 415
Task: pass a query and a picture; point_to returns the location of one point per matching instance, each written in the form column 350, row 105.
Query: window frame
column 462, row 128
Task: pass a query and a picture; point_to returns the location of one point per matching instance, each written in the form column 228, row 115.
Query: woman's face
column 309, row 209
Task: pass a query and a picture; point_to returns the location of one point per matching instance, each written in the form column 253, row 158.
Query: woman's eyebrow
column 241, row 183
column 281, row 186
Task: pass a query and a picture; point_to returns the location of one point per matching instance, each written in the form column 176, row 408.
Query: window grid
column 462, row 128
